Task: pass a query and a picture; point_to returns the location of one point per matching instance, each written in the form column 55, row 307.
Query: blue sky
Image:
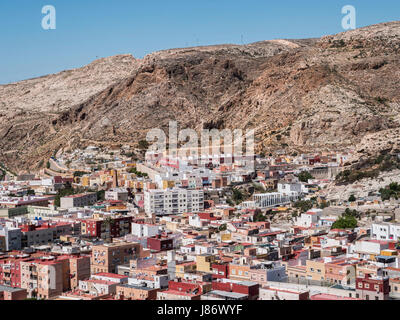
column 87, row 29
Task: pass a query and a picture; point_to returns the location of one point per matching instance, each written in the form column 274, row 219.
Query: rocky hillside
column 299, row 95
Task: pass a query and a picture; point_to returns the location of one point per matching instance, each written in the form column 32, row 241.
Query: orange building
column 239, row 271
column 131, row 292
column 106, row 257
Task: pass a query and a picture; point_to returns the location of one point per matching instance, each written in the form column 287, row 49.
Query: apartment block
column 372, row 288
column 78, row 200
column 173, row 201
column 106, row 257
column 386, row 231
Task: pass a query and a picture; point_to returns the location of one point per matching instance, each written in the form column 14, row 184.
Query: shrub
column 304, row 176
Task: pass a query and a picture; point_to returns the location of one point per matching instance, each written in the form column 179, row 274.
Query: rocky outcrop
column 299, row 95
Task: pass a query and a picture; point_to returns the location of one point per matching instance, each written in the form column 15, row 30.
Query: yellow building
column 115, row 207
column 315, row 269
column 85, row 181
column 131, row 164
column 168, row 184
column 226, row 237
column 204, row 262
column 389, row 253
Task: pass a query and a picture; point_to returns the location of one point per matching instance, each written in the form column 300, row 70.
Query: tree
column 348, row 220
column 138, row 173
column 303, row 205
column 324, row 204
column 304, row 176
column 79, row 173
column 390, row 191
column 352, row 213
column 352, row 198
column 101, row 195
column 68, row 191
column 108, row 222
column 345, row 222
column 258, row 216
column 143, row 144
column 222, row 227
column 237, row 196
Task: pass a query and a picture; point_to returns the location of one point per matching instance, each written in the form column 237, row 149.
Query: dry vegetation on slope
column 299, row 95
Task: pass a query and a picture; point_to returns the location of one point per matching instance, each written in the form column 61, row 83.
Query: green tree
column 390, row 191
column 324, row 205
column 303, row 205
column 138, row 173
column 237, row 196
column 79, row 173
column 108, row 222
column 304, row 176
column 345, row 222
column 101, row 195
column 352, row 198
column 143, row 144
column 63, row 193
column 352, row 213
column 258, row 216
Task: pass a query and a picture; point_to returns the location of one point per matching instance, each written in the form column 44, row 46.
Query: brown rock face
column 299, row 95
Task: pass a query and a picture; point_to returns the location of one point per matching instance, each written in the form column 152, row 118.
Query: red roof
column 110, row 275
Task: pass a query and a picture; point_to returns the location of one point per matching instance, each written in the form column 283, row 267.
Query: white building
column 367, row 248
column 289, row 189
column 273, row 199
column 385, row 231
column 12, row 237
column 78, row 200
column 144, row 230
column 310, row 218
column 277, row 293
column 173, row 201
column 116, row 194
column 155, row 282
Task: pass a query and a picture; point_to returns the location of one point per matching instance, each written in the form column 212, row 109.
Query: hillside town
column 99, row 224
